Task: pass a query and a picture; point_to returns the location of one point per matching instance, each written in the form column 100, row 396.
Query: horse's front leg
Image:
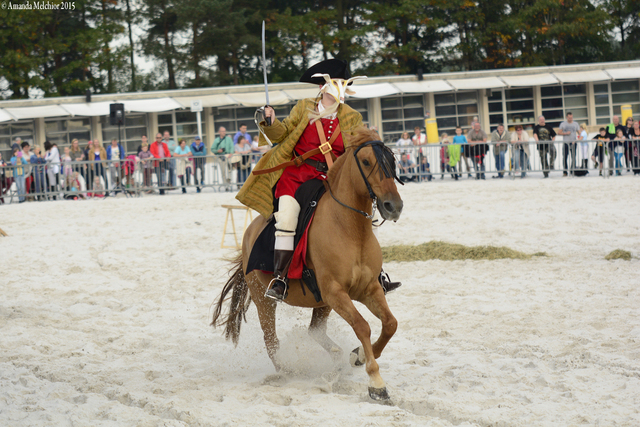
column 340, row 301
column 376, row 302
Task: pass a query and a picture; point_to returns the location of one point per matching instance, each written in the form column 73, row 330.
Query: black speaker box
column 116, row 115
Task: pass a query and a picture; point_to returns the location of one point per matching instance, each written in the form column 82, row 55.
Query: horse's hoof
column 380, row 395
column 357, row 357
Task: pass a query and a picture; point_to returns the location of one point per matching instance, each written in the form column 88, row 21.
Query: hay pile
column 450, row 252
column 619, row 254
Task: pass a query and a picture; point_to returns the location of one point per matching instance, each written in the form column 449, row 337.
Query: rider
column 298, row 133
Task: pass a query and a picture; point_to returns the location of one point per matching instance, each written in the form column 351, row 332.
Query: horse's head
column 377, row 166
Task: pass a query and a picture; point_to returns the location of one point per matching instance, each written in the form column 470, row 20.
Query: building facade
column 594, row 93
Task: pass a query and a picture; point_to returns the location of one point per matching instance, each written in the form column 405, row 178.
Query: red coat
column 294, row 176
column 159, row 150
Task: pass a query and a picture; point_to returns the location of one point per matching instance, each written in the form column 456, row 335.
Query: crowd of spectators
column 99, row 171
column 620, row 144
column 106, row 171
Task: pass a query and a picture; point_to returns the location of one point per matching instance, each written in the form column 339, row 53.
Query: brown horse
column 343, row 252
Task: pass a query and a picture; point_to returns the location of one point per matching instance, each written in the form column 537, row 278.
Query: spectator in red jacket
column 160, row 150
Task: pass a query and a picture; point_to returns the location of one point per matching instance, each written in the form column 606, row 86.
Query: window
column 609, row 97
column 512, row 107
column 625, row 92
column 557, row 101
column 134, row 127
column 361, row 106
column 601, row 98
column 9, row 131
column 400, row 114
column 455, row 109
column 186, row 125
column 63, row 131
column 231, row 118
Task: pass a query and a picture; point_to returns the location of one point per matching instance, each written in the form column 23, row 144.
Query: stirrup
column 387, row 284
column 271, row 293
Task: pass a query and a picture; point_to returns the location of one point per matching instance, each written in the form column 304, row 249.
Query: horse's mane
column 362, row 135
column 384, row 155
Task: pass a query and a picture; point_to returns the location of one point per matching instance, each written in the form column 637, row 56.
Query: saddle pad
column 261, row 257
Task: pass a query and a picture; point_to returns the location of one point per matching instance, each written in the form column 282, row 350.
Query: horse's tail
column 240, row 301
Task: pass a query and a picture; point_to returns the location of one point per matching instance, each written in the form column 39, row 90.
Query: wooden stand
column 2, row 233
column 248, row 216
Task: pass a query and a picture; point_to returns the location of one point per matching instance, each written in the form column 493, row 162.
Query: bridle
column 386, row 167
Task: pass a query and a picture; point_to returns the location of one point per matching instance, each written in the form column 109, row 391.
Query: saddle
column 262, row 253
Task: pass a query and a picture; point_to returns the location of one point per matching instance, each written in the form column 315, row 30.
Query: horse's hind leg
column 342, row 304
column 318, row 331
column 267, row 316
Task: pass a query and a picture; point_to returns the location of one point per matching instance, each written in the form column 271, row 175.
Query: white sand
column 105, row 309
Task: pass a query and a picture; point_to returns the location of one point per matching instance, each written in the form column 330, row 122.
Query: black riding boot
column 386, row 283
column 278, row 286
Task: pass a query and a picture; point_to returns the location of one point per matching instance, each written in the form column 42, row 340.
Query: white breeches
column 286, row 222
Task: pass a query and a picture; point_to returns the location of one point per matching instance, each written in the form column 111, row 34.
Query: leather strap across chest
column 325, row 148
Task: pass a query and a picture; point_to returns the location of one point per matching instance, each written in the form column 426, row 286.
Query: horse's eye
column 366, row 162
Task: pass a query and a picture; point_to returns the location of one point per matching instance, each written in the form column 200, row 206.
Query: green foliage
column 200, row 43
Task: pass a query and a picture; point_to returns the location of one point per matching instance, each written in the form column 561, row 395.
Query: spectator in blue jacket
column 38, row 171
column 114, row 152
column 199, row 152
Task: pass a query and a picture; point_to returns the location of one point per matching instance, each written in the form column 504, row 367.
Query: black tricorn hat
column 336, row 68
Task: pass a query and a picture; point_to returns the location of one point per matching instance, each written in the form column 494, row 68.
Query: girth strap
column 325, row 148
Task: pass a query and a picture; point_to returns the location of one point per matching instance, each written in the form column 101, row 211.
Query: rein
column 384, row 170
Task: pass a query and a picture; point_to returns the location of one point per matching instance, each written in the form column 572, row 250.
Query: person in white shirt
column 584, row 146
column 418, row 138
column 53, row 164
column 404, row 141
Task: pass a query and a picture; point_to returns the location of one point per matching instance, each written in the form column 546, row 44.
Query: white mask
column 338, row 88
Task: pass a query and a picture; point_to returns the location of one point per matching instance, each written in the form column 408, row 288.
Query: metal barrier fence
column 511, row 160
column 131, row 176
column 135, row 177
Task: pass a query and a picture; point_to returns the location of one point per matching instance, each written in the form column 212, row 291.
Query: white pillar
column 209, row 128
column 40, row 134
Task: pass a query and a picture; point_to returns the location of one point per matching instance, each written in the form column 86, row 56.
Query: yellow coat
column 256, row 192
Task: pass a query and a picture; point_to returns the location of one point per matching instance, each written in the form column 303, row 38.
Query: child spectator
column 461, row 139
column 453, row 151
column 18, row 173
column 73, row 186
column 38, row 172
column 425, row 167
column 598, row 152
column 145, row 157
column 67, row 169
column 183, row 165
column 618, row 149
column 98, row 189
column 584, row 146
column 444, row 154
